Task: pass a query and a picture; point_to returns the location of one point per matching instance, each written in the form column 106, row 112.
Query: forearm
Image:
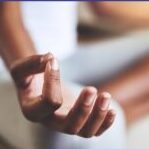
column 132, row 83
column 15, row 43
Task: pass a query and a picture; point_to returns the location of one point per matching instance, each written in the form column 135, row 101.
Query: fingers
column 97, row 116
column 52, row 87
column 81, row 110
column 110, row 117
column 26, row 67
column 90, row 116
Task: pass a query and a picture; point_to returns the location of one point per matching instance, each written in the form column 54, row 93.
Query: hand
column 41, row 98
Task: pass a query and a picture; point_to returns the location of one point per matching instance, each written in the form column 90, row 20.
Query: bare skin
column 128, row 15
column 42, row 96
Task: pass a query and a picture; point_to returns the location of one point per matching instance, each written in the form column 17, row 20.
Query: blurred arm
column 132, row 83
column 131, row 14
column 15, row 42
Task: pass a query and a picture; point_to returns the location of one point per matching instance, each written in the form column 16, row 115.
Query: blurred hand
column 42, row 100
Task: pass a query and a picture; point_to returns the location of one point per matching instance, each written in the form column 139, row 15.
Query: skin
column 128, row 15
column 42, row 95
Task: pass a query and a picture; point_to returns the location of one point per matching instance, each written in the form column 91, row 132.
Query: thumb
column 52, row 86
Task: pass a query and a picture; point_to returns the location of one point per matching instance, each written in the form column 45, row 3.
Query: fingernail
column 89, row 100
column 89, row 97
column 54, row 64
column 104, row 102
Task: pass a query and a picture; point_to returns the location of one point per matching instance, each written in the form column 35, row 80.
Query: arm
column 15, row 43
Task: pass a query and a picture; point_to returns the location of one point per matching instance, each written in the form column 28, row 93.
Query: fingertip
column 106, row 95
column 45, row 58
column 112, row 113
column 90, row 90
column 48, row 56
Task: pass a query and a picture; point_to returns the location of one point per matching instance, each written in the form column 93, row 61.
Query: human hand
column 41, row 99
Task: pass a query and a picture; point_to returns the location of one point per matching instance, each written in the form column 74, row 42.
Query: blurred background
column 118, row 26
